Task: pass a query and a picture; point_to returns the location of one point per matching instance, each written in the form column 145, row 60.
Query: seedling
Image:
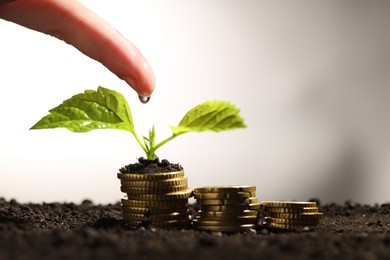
column 108, row 109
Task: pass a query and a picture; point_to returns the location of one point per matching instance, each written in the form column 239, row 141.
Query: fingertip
column 145, row 83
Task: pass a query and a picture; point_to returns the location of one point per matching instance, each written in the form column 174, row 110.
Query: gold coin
column 154, row 203
column 153, row 190
column 223, row 202
column 286, row 204
column 220, row 195
column 308, row 222
column 159, row 224
column 224, row 222
column 224, row 189
column 291, row 210
column 167, row 196
column 318, row 214
column 152, row 211
column 223, row 214
column 135, row 210
column 297, row 215
column 242, row 201
column 233, row 208
column 231, row 219
column 153, row 183
column 234, row 228
column 287, row 226
column 253, row 206
column 149, row 176
column 228, row 208
column 247, row 201
column 157, row 217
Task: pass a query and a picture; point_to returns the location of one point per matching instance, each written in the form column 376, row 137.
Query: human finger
column 75, row 24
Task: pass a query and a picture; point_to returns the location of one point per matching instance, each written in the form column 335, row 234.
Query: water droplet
column 144, row 99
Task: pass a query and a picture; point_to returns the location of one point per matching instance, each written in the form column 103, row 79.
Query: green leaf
column 152, row 136
column 210, row 116
column 90, row 110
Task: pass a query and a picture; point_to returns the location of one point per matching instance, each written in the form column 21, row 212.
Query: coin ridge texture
column 154, row 190
column 226, row 189
column 150, row 176
column 286, row 204
column 165, row 196
column 156, row 183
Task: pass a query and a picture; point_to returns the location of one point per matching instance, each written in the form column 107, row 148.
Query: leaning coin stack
column 290, row 215
column 155, row 200
column 226, row 208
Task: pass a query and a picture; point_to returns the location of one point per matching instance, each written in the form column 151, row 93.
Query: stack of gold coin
column 226, row 208
column 290, row 214
column 155, row 200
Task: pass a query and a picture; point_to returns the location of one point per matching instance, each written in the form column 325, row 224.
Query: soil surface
column 90, row 231
column 148, row 166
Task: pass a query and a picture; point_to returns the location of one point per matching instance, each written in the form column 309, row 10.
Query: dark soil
column 147, row 166
column 90, row 231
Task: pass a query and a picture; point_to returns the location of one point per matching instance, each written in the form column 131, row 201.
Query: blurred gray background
column 311, row 79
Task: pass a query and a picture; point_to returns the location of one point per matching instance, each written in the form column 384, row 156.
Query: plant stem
column 140, row 143
column 154, row 148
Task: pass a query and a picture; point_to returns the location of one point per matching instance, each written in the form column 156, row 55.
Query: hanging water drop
column 144, row 99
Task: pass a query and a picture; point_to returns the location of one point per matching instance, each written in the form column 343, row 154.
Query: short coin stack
column 158, row 200
column 226, row 208
column 290, row 214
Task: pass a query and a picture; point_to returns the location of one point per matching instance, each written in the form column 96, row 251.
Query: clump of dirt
column 148, row 166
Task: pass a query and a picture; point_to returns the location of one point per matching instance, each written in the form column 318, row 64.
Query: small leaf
column 210, row 116
column 152, row 136
column 90, row 110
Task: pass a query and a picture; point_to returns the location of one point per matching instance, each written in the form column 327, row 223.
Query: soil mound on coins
column 148, row 166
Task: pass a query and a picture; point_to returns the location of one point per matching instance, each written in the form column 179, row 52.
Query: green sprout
column 108, row 109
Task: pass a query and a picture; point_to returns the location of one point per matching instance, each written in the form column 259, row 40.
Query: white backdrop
column 311, row 78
